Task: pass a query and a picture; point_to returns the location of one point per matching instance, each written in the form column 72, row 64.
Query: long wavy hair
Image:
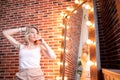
column 28, row 31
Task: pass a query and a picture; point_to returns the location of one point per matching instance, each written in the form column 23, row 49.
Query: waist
column 31, row 71
column 26, row 64
column 27, row 69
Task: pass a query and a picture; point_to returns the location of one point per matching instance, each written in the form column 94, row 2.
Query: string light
column 68, row 17
column 60, row 49
column 83, row 5
column 89, row 41
column 66, row 64
column 66, row 50
column 76, row 2
column 90, row 63
column 95, row 63
column 68, row 27
column 87, row 6
column 62, row 25
column 58, row 78
column 91, row 9
column 65, row 78
column 62, row 13
column 75, row 12
column 59, row 63
column 93, row 25
column 61, row 37
column 94, row 43
column 70, row 8
column 88, row 23
column 67, row 38
column 81, row 1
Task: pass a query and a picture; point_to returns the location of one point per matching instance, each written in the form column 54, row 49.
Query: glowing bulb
column 89, row 41
column 92, row 9
column 93, row 25
column 81, row 2
column 62, row 25
column 88, row 23
column 62, row 13
column 68, row 27
column 75, row 11
column 65, row 78
column 94, row 43
column 67, row 38
column 83, row 5
column 61, row 37
column 66, row 64
column 58, row 78
column 87, row 6
column 95, row 63
column 59, row 63
column 76, row 2
column 68, row 17
column 66, row 50
column 70, row 9
column 90, row 63
column 60, row 49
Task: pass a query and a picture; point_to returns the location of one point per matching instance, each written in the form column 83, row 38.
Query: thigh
column 21, row 76
column 36, row 74
column 37, row 78
column 30, row 74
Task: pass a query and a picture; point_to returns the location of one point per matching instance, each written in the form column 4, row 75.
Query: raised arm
column 47, row 50
column 8, row 34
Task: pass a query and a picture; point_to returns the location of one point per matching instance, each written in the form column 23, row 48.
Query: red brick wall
column 118, row 7
column 109, row 33
column 43, row 13
column 73, row 43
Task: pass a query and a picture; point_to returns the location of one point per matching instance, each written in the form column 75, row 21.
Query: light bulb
column 66, row 50
column 70, row 9
column 60, row 49
column 58, row 78
column 67, row 38
column 75, row 11
column 87, row 6
column 88, row 23
column 89, row 41
column 59, row 63
column 90, row 63
column 65, row 78
column 62, row 13
column 76, row 2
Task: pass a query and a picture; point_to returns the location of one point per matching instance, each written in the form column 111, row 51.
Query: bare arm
column 8, row 34
column 47, row 50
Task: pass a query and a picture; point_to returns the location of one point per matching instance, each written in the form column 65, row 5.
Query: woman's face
column 33, row 35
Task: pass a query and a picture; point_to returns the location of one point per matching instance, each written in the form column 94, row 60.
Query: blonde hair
column 28, row 31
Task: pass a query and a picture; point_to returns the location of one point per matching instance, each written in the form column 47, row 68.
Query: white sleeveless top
column 29, row 58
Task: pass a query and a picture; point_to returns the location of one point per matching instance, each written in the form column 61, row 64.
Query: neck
column 30, row 44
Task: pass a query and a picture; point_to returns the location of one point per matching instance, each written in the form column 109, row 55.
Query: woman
column 29, row 53
column 84, row 61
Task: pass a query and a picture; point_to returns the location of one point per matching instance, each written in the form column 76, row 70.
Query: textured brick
column 43, row 13
column 109, row 33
